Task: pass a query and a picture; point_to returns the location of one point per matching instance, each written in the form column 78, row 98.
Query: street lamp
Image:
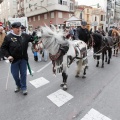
column 41, row 7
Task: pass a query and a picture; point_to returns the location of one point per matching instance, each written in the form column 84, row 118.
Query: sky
column 90, row 2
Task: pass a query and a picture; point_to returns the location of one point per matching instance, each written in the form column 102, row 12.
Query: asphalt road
column 100, row 91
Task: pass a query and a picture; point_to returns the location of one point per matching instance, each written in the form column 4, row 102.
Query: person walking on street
column 15, row 47
column 2, row 36
column 83, row 33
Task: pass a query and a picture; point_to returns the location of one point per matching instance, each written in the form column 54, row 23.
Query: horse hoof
column 77, row 76
column 102, row 66
column 62, row 84
column 108, row 62
column 83, row 77
column 97, row 65
column 65, row 87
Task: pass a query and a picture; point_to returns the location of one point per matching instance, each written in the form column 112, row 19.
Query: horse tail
column 79, row 66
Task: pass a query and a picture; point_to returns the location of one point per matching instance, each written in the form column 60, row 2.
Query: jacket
column 16, row 46
column 83, row 34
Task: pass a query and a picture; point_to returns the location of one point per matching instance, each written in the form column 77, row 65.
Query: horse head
column 50, row 39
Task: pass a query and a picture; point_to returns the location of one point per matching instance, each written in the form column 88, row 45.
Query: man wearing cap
column 15, row 47
column 83, row 33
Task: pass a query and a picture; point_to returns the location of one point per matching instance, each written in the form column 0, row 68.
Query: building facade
column 20, row 8
column 84, row 12
column 112, row 13
column 40, row 12
column 7, row 9
column 98, row 19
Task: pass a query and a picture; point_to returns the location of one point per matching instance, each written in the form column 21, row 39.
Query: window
column 33, row 18
column 87, row 17
column 87, row 10
column 101, row 17
column 29, row 19
column 80, row 15
column 38, row 17
column 60, row 2
column 52, row 14
column 60, row 15
column 64, row 3
column 95, row 18
column 71, row 6
column 45, row 16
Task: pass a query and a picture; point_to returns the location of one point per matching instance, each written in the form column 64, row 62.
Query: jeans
column 45, row 53
column 19, row 73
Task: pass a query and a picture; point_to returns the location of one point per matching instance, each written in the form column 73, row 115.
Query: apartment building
column 117, row 13
column 98, row 19
column 20, row 8
column 7, row 9
column 84, row 12
column 40, row 12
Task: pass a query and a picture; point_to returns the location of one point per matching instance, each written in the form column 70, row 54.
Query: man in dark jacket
column 83, row 33
column 15, row 47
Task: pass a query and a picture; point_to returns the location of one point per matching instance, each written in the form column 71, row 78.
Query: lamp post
column 35, row 5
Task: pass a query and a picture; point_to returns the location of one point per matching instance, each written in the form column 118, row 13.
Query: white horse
column 63, row 52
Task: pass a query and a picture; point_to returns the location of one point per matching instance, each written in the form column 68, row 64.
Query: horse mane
column 115, row 31
column 52, row 32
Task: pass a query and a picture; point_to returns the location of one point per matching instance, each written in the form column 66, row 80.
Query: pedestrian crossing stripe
column 94, row 115
column 60, row 97
column 39, row 82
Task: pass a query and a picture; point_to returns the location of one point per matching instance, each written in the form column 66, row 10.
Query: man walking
column 83, row 33
column 15, row 47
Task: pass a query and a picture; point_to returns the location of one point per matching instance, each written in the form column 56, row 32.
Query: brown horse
column 116, row 40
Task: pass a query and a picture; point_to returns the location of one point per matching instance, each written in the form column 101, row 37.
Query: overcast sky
column 90, row 2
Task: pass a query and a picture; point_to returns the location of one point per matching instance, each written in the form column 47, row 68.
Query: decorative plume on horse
column 63, row 52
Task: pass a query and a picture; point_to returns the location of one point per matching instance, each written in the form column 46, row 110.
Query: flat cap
column 16, row 25
column 83, row 23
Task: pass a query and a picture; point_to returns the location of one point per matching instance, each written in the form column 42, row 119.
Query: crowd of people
column 14, row 45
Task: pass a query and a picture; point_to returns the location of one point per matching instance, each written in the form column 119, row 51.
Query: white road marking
column 94, row 115
column 60, row 97
column 44, row 67
column 39, row 82
column 28, row 72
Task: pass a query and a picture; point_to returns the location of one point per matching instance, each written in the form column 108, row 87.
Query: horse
column 102, row 45
column 63, row 52
column 116, row 40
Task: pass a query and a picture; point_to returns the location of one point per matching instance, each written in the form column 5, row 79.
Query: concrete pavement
column 100, row 91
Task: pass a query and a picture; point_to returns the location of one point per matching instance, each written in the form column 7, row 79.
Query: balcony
column 1, row 1
column 88, row 22
column 102, row 22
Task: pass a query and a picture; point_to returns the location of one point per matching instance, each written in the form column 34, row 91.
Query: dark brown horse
column 102, row 46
